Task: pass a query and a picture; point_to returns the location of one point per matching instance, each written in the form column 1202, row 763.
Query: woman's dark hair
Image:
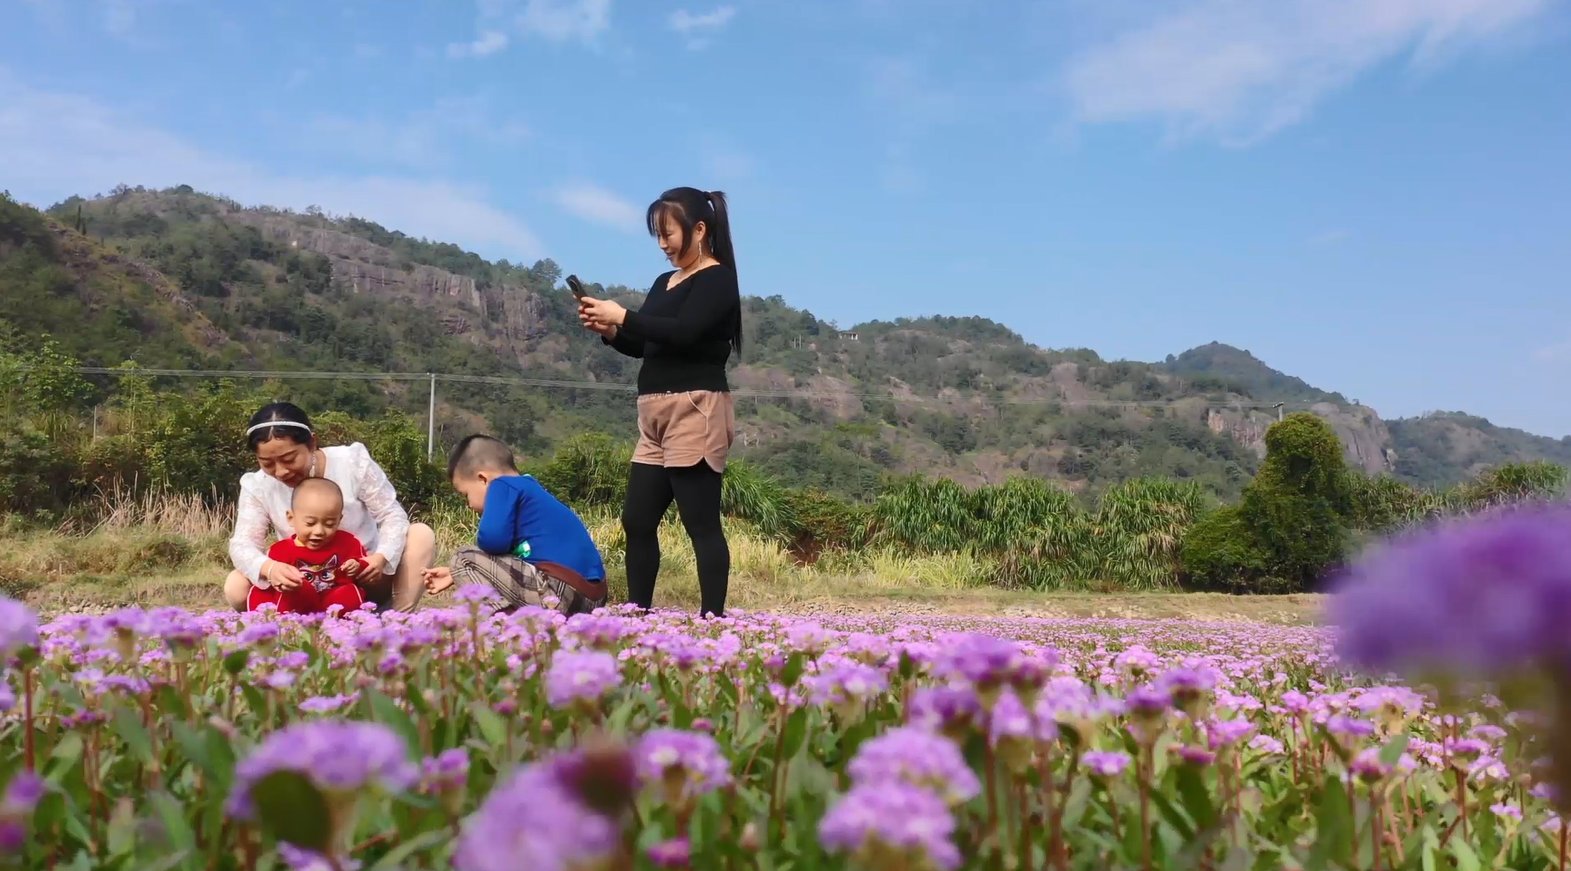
column 688, row 206
column 292, row 425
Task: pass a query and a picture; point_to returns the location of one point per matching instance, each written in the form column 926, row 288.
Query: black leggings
column 696, row 490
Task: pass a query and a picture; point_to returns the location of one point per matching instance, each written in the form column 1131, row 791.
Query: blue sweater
column 518, row 509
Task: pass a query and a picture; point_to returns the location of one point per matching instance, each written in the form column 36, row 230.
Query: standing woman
column 287, row 453
column 684, row 333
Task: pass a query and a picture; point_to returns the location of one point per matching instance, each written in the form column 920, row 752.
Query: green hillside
column 176, row 278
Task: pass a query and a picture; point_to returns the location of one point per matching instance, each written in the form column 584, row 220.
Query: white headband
column 271, row 423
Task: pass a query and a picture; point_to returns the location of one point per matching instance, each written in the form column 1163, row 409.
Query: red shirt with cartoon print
column 323, row 569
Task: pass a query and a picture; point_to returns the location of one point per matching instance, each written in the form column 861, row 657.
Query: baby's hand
column 437, row 579
column 351, row 568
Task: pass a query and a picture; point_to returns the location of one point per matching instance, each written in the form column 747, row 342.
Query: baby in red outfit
column 322, row 552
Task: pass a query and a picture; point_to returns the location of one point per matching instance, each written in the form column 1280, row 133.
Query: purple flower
column 953, row 710
column 1147, row 703
column 1475, row 597
column 1185, row 686
column 327, row 704
column 1103, row 763
column 907, row 754
column 1226, row 733
column 686, row 764
column 581, row 677
column 534, row 820
column 18, row 626
column 1198, row 756
column 474, row 593
column 1266, row 744
column 298, row 859
column 846, row 683
column 891, row 818
column 675, row 853
column 444, row 772
column 22, row 794
column 336, row 756
column 1366, row 766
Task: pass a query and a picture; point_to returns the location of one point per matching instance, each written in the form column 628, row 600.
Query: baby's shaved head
column 320, row 494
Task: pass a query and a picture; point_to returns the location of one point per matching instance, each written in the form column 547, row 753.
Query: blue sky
column 1374, row 195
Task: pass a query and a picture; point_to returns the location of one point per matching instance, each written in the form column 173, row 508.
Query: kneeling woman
column 287, row 452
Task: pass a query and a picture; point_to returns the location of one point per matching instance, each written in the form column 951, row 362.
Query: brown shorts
column 677, row 430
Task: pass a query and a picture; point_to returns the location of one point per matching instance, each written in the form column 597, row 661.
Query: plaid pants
column 516, row 582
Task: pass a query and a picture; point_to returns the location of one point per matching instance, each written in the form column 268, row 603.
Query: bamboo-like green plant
column 1139, row 530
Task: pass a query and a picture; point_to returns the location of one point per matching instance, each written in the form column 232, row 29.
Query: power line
column 569, row 384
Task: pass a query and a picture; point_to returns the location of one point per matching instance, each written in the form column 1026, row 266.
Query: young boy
column 529, row 543
column 322, row 552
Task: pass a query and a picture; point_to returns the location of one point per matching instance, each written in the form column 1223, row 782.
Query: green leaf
column 172, row 815
column 236, row 660
column 1333, row 825
column 1196, row 797
column 293, row 810
column 792, row 671
column 1466, row 859
column 65, row 756
column 795, row 733
column 130, row 729
column 492, row 729
column 395, row 858
column 122, row 828
column 1393, row 749
column 387, row 712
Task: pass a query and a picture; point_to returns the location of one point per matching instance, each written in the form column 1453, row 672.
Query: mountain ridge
column 965, row 397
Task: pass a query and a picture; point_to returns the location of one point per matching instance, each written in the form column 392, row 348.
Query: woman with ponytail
column 684, row 333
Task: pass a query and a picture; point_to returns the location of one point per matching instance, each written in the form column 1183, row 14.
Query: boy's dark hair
column 311, row 484
column 480, row 453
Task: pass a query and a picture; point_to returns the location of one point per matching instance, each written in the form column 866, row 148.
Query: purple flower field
column 166, row 739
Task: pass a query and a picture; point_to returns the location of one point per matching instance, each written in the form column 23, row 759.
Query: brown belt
column 594, row 591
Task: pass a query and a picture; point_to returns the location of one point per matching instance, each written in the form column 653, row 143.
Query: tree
column 1293, row 522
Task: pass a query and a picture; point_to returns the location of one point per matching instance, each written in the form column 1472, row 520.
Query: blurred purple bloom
column 534, row 820
column 675, row 853
column 907, row 754
column 689, row 763
column 950, row 709
column 1103, row 763
column 336, row 756
column 1473, row 597
column 444, row 772
column 581, row 677
column 895, row 816
column 18, row 626
column 327, row 704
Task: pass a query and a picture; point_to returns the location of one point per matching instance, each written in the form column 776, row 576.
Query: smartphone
column 576, row 286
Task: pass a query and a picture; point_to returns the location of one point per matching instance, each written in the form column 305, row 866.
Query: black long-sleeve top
column 684, row 333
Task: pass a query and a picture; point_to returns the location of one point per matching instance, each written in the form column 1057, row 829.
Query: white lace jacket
column 371, row 511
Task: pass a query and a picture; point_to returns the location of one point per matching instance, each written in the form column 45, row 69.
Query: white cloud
column 564, row 20
column 699, row 27
column 59, row 144
column 553, row 20
column 1241, row 70
column 595, row 203
column 486, row 44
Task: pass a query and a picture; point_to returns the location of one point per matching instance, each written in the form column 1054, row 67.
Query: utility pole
column 430, row 420
column 1278, row 408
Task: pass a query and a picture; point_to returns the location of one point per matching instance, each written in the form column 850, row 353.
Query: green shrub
column 1293, row 522
column 1221, row 553
column 34, row 473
